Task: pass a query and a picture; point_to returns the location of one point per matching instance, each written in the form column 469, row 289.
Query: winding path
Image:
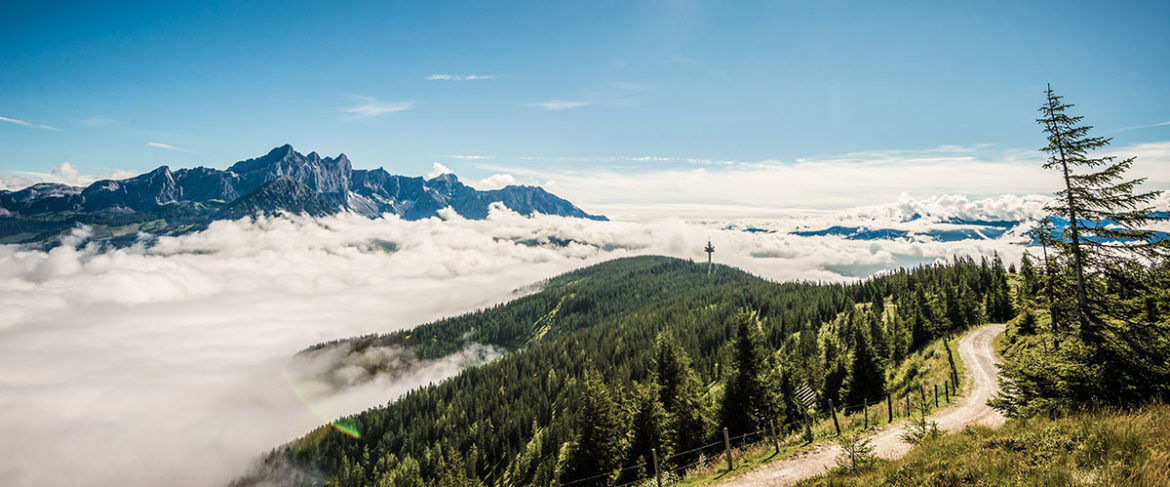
column 979, row 358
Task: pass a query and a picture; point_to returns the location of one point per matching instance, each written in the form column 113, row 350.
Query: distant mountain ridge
column 281, row 181
column 339, row 186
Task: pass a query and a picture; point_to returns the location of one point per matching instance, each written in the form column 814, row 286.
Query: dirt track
column 979, row 358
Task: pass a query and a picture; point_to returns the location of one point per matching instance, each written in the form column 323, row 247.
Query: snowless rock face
column 333, row 181
column 138, row 193
column 327, row 177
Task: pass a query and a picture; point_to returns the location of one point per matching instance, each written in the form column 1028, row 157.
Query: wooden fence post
column 727, row 448
column 808, row 435
column 775, row 440
column 867, row 414
column 657, row 475
column 889, row 409
column 936, row 395
column 833, row 410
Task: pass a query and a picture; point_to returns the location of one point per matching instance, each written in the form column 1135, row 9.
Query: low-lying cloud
column 64, row 173
column 656, row 186
column 174, row 361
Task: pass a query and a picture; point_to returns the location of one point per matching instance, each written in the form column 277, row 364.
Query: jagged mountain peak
column 281, row 195
column 445, row 177
column 332, row 183
column 282, row 151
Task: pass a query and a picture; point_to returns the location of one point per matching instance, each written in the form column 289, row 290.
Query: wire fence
column 910, row 403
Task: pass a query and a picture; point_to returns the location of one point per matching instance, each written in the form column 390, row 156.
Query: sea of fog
column 171, row 362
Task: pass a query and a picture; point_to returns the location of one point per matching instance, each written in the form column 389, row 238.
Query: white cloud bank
column 437, row 170
column 495, row 181
column 164, row 364
column 649, row 187
column 64, row 173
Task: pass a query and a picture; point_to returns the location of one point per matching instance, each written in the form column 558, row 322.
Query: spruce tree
column 453, row 472
column 922, row 329
column 954, row 308
column 651, row 430
column 788, row 407
column 878, row 336
column 681, row 395
column 867, row 379
column 1028, row 324
column 999, row 302
column 1028, row 273
column 598, row 446
column 835, row 369
column 746, row 405
column 900, row 338
column 1106, row 215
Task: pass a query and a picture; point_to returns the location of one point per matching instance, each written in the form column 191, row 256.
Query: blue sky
column 563, row 86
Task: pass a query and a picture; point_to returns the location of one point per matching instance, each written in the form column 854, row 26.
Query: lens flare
column 346, row 426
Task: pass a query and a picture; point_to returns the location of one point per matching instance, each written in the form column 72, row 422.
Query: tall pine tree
column 1106, row 215
column 746, row 402
column 681, row 395
column 651, row 430
column 597, row 448
column 867, row 379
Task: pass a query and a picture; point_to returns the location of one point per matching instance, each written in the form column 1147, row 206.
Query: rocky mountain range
column 283, row 180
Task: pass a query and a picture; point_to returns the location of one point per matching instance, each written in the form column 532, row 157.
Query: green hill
column 513, row 421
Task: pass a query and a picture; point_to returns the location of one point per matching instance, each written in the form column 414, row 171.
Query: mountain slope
column 511, row 420
column 283, row 194
column 606, row 316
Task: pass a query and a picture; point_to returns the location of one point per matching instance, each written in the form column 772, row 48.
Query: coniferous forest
column 1086, row 369
column 610, row 361
column 647, row 360
column 1101, row 284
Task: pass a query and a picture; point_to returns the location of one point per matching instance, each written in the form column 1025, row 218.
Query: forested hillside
column 635, row 353
column 1087, row 364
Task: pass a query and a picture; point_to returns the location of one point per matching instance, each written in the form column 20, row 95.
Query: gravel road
column 979, row 357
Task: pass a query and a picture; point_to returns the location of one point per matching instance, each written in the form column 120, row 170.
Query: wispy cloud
column 28, row 124
column 371, row 107
column 1135, row 127
column 469, row 157
column 161, row 145
column 555, row 104
column 459, row 77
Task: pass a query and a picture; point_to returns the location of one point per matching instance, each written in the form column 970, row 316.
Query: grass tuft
column 1107, row 448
